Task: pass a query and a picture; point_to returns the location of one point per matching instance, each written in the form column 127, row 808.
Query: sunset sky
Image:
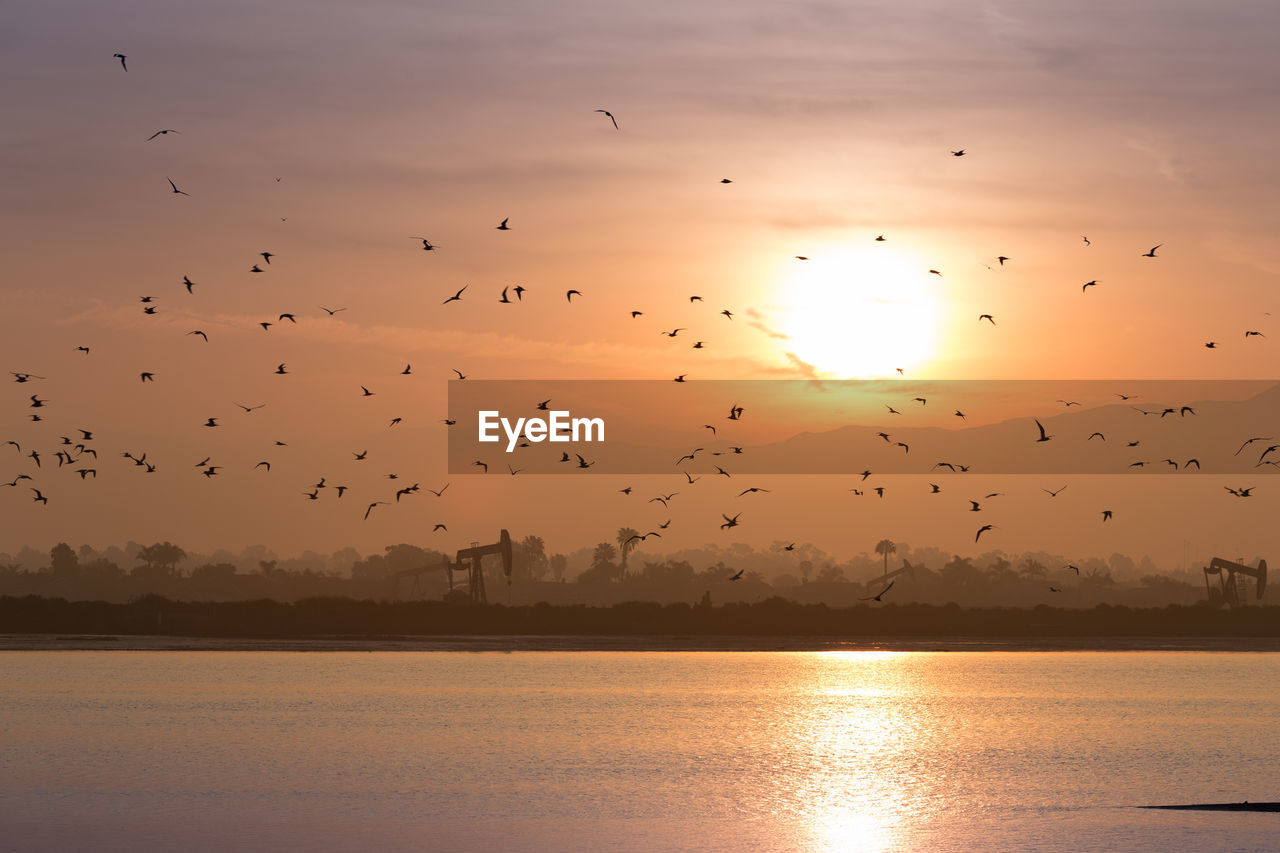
column 336, row 136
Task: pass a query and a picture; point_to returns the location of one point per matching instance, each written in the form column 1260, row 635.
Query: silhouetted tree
column 159, row 560
column 1032, row 568
column 558, row 563
column 830, row 573
column 63, row 563
column 533, row 557
column 886, row 547
column 604, row 553
column 626, row 543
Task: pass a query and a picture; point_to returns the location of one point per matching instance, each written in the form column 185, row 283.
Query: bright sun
column 861, row 313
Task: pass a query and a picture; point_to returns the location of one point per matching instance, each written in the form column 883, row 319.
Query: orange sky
column 1133, row 126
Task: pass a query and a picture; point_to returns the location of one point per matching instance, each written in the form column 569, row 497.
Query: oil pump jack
column 1234, row 580
column 468, row 562
column 883, row 580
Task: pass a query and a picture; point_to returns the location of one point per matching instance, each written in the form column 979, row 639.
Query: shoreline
column 506, row 643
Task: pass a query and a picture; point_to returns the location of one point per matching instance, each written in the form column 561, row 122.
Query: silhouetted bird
column 175, row 187
column 122, row 57
column 611, row 118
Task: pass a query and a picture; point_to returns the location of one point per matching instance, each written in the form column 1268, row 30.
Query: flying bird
column 569, row 295
column 122, row 57
column 983, row 529
column 1087, row 285
column 729, row 522
column 1249, row 442
column 503, row 225
column 457, row 297
column 987, row 317
column 370, row 507
column 737, row 576
column 959, row 153
column 175, row 187
column 1052, row 494
column 611, row 118
column 1043, row 436
column 200, row 333
column 40, row 498
column 1152, row 253
column 160, row 133
column 1106, row 515
column 331, row 311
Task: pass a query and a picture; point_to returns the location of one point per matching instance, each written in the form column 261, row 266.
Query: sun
column 861, row 313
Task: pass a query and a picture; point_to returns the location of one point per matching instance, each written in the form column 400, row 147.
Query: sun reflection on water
column 858, row 727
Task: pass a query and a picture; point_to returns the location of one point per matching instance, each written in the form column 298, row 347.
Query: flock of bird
column 79, row 455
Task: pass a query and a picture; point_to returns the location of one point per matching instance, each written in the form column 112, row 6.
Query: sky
column 337, row 136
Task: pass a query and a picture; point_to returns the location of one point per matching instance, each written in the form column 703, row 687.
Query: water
column 551, row 751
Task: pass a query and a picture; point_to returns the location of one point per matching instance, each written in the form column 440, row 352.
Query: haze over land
column 336, row 142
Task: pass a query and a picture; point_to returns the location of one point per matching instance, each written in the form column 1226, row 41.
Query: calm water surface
column 551, row 751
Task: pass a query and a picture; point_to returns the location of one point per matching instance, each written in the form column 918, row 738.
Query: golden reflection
column 859, row 728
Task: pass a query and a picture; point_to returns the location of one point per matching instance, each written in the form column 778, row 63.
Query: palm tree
column 885, row 547
column 626, row 543
column 602, row 555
